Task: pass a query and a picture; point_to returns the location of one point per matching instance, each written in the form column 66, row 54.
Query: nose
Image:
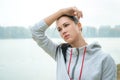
column 64, row 31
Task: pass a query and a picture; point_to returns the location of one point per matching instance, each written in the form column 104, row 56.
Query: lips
column 66, row 36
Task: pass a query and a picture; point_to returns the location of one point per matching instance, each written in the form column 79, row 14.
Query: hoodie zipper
column 73, row 71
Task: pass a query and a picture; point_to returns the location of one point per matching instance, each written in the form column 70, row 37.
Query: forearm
column 50, row 19
column 71, row 11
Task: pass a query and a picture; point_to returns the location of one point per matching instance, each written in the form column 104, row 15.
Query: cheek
column 74, row 32
column 60, row 34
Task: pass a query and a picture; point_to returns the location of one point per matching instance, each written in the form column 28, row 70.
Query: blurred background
column 22, row 59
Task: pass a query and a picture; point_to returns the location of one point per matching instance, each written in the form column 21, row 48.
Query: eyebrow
column 63, row 24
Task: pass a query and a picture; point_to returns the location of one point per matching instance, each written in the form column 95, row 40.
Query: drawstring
column 81, row 69
column 82, row 64
column 70, row 62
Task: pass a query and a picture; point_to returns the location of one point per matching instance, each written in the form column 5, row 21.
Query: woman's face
column 68, row 30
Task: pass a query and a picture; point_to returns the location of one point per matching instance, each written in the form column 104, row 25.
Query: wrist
column 61, row 12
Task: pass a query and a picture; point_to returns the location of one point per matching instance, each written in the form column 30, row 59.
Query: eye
column 59, row 29
column 65, row 25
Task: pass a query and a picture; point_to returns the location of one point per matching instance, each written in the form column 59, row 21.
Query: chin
column 69, row 41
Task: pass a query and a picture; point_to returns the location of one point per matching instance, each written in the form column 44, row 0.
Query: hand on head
column 72, row 11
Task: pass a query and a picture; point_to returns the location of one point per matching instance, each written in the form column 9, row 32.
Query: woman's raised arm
column 72, row 11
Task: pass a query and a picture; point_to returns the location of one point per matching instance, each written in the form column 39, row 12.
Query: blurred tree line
column 88, row 31
column 14, row 32
column 102, row 31
column 91, row 31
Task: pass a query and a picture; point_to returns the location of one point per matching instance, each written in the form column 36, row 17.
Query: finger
column 80, row 14
column 77, row 13
column 75, row 9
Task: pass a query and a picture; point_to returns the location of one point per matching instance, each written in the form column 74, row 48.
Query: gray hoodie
column 97, row 64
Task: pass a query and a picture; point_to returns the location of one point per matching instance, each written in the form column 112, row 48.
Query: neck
column 79, row 43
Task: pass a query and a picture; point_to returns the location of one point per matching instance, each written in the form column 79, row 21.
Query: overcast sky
column 28, row 12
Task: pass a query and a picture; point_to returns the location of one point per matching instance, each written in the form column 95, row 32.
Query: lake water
column 22, row 59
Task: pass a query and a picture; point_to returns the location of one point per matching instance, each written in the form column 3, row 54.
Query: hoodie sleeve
column 38, row 34
column 109, row 69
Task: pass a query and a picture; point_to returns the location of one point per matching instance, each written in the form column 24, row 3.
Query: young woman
column 76, row 59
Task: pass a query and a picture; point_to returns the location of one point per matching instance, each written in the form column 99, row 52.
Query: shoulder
column 101, row 56
column 105, row 57
column 95, row 49
column 107, row 62
column 109, row 68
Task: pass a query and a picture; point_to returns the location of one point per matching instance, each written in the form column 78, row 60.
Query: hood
column 93, row 47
